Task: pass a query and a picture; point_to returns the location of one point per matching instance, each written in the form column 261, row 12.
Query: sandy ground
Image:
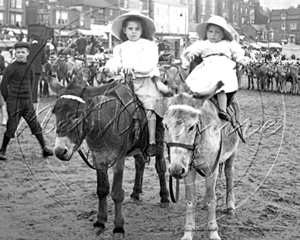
column 54, row 200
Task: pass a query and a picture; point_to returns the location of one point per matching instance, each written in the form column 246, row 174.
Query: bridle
column 195, row 146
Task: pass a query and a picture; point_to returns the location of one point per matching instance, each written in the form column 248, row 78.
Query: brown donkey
column 103, row 117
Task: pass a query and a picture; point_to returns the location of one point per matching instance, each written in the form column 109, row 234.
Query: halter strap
column 79, row 99
column 185, row 108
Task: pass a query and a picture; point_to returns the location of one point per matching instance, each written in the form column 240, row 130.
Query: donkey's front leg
column 211, row 205
column 190, row 195
column 117, row 194
column 102, row 192
column 160, row 163
column 229, row 172
column 139, row 173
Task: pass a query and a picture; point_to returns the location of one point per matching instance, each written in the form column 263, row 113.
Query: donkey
column 102, row 116
column 198, row 141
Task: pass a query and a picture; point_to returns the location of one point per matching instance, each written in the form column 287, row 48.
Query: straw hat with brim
column 216, row 20
column 117, row 24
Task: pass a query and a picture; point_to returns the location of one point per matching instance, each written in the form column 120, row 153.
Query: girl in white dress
column 138, row 55
column 220, row 54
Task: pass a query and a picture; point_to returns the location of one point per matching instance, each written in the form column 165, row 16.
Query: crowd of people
column 138, row 54
column 272, row 55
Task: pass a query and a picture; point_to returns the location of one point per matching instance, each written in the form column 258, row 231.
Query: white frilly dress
column 214, row 67
column 142, row 55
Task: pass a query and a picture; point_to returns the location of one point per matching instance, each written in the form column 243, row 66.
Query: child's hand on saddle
column 190, row 56
column 129, row 71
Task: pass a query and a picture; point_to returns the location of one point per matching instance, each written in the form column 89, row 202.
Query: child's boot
column 224, row 115
column 3, row 148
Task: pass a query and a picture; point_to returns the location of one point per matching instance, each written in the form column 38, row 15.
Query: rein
column 194, row 149
column 80, row 100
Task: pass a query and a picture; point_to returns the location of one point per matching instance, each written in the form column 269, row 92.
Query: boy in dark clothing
column 16, row 88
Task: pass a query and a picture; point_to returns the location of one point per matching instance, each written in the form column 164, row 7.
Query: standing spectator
column 16, row 91
column 21, row 35
column 49, row 48
column 37, row 58
column 81, row 43
column 2, row 102
column 100, row 57
column 94, row 43
column 268, row 57
column 2, row 59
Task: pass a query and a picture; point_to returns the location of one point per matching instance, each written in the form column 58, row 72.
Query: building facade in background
column 177, row 18
column 286, row 25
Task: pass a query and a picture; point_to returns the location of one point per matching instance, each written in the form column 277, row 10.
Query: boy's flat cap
column 22, row 45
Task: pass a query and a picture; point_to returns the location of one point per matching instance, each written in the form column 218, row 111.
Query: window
column 244, row 20
column 1, row 3
column 1, row 18
column 212, row 6
column 292, row 38
column 111, row 12
column 125, row 3
column 203, row 3
column 61, row 17
column 81, row 20
column 264, row 35
column 293, row 26
column 246, row 11
column 283, row 16
column 16, row 4
column 18, row 20
column 282, row 26
column 12, row 19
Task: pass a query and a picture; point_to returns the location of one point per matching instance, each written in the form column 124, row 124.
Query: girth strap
column 186, row 146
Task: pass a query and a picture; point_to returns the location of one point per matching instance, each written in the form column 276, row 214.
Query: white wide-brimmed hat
column 216, row 20
column 117, row 24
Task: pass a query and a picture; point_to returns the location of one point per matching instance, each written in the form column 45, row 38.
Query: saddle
column 138, row 123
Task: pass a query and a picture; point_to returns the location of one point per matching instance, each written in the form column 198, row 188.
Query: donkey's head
column 71, row 111
column 188, row 130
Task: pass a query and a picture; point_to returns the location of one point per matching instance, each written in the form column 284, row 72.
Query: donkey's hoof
column 134, row 199
column 214, row 236
column 100, row 228
column 118, row 236
column 230, row 211
column 164, row 204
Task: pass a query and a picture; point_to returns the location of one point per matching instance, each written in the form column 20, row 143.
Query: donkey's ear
column 104, row 89
column 55, row 85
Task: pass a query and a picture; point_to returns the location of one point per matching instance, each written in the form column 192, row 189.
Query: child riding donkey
column 220, row 53
column 137, row 56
